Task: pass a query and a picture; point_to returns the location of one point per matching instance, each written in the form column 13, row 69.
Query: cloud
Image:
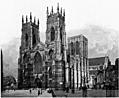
column 101, row 41
column 10, row 57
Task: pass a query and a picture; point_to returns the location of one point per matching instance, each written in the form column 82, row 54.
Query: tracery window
column 26, row 39
column 33, row 38
column 38, row 63
column 52, row 34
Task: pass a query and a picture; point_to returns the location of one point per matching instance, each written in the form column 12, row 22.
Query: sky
column 79, row 13
column 98, row 20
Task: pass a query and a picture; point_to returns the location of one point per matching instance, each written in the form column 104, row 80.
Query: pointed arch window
column 77, row 47
column 38, row 63
column 33, row 38
column 26, row 40
column 52, row 34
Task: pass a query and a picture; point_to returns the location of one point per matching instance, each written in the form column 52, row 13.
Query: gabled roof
column 96, row 61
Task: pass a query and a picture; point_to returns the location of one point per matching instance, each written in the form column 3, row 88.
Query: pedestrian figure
column 38, row 92
column 67, row 87
column 84, row 88
column 40, row 86
column 30, row 91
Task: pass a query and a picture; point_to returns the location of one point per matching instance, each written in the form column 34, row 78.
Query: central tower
column 56, row 45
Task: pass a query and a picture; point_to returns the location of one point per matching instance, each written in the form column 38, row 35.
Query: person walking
column 40, row 87
column 84, row 88
column 30, row 91
column 38, row 92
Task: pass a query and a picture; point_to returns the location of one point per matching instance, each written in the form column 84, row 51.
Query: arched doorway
column 38, row 63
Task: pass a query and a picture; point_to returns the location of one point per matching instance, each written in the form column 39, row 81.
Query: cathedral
column 49, row 60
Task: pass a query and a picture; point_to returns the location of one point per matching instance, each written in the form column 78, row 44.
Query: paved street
column 59, row 93
column 25, row 93
column 90, row 93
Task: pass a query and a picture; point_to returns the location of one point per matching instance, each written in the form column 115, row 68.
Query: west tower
column 30, row 58
column 56, row 45
column 30, row 33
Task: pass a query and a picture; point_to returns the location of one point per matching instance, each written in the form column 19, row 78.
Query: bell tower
column 56, row 44
column 55, row 31
column 29, row 40
column 30, row 33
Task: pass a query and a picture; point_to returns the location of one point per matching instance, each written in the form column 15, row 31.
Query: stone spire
column 47, row 12
column 34, row 20
column 57, row 7
column 30, row 17
column 26, row 19
column 22, row 19
column 38, row 22
column 52, row 10
column 64, row 12
column 61, row 11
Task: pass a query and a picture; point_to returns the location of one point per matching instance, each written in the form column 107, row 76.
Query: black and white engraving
column 54, row 55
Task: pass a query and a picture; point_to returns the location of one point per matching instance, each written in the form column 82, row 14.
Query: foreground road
column 25, row 93
column 59, row 93
column 90, row 93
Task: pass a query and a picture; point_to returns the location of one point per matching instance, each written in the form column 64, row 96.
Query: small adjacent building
column 96, row 70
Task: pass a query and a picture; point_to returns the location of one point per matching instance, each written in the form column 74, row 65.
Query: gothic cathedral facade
column 50, row 61
column 31, row 58
column 37, row 58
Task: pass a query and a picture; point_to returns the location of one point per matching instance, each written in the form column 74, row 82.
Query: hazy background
column 98, row 20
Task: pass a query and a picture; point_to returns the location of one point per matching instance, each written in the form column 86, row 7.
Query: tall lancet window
column 26, row 40
column 52, row 34
column 38, row 63
column 77, row 47
column 33, row 38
